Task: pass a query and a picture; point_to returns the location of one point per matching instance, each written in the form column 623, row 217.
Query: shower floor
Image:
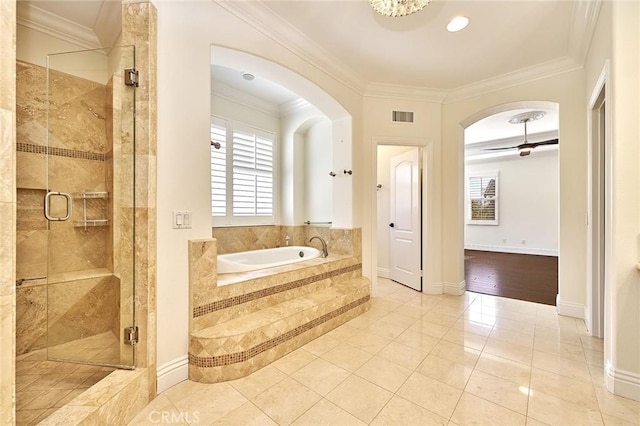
column 43, row 386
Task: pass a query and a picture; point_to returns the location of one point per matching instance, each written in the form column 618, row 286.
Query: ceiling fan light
column 458, row 23
column 397, row 8
column 525, row 150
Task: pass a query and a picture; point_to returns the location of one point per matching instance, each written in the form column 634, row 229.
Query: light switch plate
column 181, row 219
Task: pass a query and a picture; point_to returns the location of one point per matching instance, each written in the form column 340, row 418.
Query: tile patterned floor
column 43, row 386
column 415, row 359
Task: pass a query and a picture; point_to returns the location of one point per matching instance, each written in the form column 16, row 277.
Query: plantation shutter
column 218, row 168
column 252, row 173
column 483, row 199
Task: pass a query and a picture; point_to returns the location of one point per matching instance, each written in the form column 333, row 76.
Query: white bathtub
column 266, row 258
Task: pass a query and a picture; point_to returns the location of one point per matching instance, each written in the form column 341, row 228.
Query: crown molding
column 238, row 96
column 515, row 78
column 40, row 20
column 411, row 93
column 266, row 21
column 583, row 25
column 108, row 25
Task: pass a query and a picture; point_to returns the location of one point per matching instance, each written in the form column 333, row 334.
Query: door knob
column 391, row 225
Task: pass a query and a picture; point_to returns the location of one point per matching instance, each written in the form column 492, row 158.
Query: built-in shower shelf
column 91, row 194
column 91, row 222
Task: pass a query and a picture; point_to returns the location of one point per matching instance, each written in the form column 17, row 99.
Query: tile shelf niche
column 96, row 204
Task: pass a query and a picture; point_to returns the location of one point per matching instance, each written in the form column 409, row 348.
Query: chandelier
column 397, row 8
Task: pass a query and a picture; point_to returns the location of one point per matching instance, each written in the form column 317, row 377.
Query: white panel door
column 405, row 244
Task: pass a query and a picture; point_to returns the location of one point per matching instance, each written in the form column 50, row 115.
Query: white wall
column 385, row 153
column 617, row 39
column 186, row 31
column 235, row 111
column 318, row 162
column 527, row 205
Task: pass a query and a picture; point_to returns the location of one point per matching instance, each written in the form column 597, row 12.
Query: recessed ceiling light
column 248, row 76
column 457, row 24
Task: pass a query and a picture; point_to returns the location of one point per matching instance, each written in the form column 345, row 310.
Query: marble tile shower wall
column 244, row 238
column 77, row 261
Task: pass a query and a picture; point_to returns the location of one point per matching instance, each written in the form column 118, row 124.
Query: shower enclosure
column 76, row 200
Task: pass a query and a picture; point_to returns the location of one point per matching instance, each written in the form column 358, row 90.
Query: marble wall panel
column 7, row 358
column 72, row 308
column 244, row 238
column 31, row 92
column 7, row 156
column 31, row 171
column 31, row 318
column 76, row 175
column 73, row 248
column 31, row 254
column 8, row 248
column 202, row 272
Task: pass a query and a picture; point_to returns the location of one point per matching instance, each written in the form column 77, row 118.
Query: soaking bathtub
column 265, row 258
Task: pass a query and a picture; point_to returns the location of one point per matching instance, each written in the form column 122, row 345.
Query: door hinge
column 131, row 335
column 131, row 77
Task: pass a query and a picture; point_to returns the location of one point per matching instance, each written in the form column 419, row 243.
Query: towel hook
column 348, row 172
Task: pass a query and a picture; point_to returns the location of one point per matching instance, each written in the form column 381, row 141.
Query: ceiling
column 504, row 40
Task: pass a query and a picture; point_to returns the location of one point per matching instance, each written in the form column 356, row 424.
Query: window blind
column 219, row 169
column 252, row 174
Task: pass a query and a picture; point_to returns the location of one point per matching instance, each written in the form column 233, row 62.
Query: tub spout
column 325, row 253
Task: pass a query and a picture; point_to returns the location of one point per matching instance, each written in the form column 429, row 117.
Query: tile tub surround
column 244, row 238
column 242, row 322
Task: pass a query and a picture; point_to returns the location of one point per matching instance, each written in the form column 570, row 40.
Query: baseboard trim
column 172, row 373
column 622, row 383
column 569, row 309
column 432, row 288
column 384, row 273
column 512, row 249
column 455, row 289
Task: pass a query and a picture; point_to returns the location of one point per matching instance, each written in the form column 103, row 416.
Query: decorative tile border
column 222, row 360
column 199, row 311
column 61, row 152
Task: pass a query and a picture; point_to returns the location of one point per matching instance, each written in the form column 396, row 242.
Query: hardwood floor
column 516, row 276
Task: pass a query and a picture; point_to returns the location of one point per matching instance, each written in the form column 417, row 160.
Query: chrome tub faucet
column 325, row 253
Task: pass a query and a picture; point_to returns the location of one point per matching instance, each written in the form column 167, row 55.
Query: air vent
column 402, row 116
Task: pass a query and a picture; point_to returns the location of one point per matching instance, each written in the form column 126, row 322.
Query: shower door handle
column 47, row 202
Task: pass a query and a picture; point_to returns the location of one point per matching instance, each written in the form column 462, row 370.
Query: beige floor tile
column 592, row 343
column 445, row 371
column 572, row 352
column 514, row 337
column 452, row 311
column 342, row 333
column 375, row 313
column 46, row 400
column 456, row 353
column 385, row 303
column 615, row 421
column 597, row 376
column 386, row 330
column 507, row 324
column 184, row 390
column 24, row 397
column 69, row 397
column 152, row 413
column 321, row 345
column 617, row 406
column 430, row 329
column 325, row 413
column 472, row 410
column 558, row 335
column 417, row 340
column 384, row 373
column 321, row 376
column 499, row 391
column 534, row 422
column 362, row 321
column 555, row 411
column 465, row 338
column 473, row 327
column 286, row 401
column 212, row 403
column 431, row 394
column 505, row 368
column 399, row 411
column 439, row 319
column 403, row 355
column 294, row 361
column 45, row 382
column 562, row 366
column 570, row 390
column 368, row 342
column 245, row 415
column 594, row 357
column 398, row 319
column 347, row 357
column 360, row 398
column 25, row 417
column 258, row 381
column 409, row 310
column 480, row 318
column 510, row 351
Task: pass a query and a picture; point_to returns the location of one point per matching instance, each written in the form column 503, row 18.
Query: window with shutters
column 482, row 192
column 242, row 174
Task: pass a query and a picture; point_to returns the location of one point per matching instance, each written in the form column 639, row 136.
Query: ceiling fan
column 525, row 148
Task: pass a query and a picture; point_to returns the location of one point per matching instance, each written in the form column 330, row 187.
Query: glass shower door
column 89, row 206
